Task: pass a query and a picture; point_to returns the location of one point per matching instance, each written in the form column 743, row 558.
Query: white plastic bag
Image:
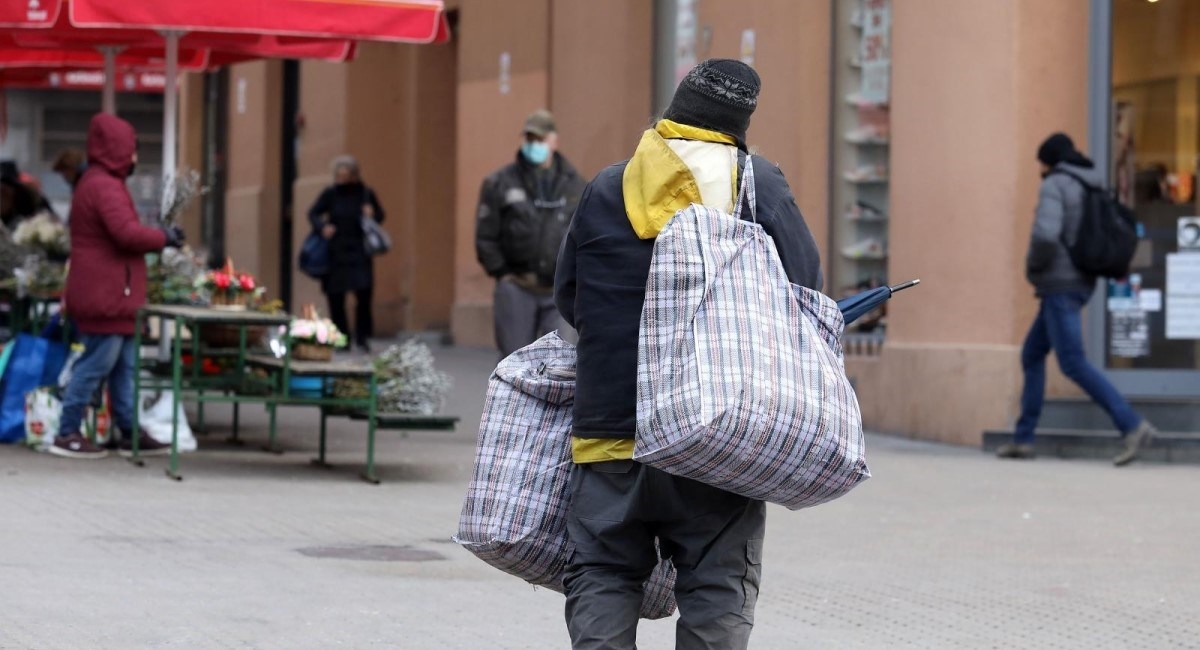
column 43, row 412
column 43, row 419
column 155, row 419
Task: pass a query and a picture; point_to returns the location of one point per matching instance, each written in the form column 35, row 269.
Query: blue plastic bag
column 26, row 365
column 314, row 256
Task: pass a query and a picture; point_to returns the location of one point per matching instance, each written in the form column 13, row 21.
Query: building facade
column 908, row 131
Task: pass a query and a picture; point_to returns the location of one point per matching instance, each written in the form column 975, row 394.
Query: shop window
column 1153, row 317
column 862, row 138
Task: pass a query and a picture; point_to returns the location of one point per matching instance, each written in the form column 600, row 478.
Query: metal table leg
column 369, row 476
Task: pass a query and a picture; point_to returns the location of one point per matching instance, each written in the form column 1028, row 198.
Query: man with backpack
column 1080, row 233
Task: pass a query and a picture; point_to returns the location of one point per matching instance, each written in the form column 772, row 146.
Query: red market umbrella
column 400, row 21
column 129, row 79
column 236, row 28
column 13, row 55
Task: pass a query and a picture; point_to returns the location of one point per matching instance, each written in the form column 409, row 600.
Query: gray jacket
column 1048, row 265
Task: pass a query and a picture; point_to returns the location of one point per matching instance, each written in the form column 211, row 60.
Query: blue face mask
column 536, row 153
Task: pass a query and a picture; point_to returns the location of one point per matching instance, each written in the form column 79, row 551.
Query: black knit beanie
column 1059, row 148
column 719, row 95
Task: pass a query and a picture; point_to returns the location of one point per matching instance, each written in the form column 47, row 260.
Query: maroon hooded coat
column 107, row 281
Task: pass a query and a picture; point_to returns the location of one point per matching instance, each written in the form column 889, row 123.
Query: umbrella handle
column 904, row 285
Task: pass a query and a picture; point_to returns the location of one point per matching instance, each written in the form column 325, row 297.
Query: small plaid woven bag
column 514, row 516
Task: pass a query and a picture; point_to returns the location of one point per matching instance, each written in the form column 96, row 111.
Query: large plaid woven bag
column 514, row 516
column 741, row 380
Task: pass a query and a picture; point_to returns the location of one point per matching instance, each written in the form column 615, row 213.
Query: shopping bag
column 514, row 516
column 741, row 380
column 43, row 419
column 155, row 419
column 314, row 256
column 23, row 374
column 376, row 241
column 43, row 411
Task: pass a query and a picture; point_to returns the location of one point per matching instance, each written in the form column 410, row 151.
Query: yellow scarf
column 657, row 183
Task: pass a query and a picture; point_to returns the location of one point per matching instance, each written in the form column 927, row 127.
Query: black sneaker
column 147, row 446
column 1013, row 450
column 76, row 446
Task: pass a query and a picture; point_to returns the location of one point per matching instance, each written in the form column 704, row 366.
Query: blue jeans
column 1059, row 327
column 105, row 356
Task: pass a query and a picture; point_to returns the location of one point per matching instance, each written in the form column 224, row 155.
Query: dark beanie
column 1059, row 148
column 719, row 95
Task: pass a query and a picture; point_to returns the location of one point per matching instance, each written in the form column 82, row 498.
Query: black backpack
column 1107, row 236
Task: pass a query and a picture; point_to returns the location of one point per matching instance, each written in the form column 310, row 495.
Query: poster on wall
column 1183, row 295
column 875, row 51
column 1129, row 334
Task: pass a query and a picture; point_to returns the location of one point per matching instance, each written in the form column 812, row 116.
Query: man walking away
column 619, row 507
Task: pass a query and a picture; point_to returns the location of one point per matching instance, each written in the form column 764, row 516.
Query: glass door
column 1151, row 320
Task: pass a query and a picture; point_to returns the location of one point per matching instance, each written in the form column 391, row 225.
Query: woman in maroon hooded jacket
column 106, row 285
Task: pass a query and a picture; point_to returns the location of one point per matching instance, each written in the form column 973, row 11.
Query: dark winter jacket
column 1048, row 265
column 601, row 286
column 350, row 268
column 523, row 215
column 107, row 281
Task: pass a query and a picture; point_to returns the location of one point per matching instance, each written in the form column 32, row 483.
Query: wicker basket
column 229, row 299
column 227, row 336
column 311, row 352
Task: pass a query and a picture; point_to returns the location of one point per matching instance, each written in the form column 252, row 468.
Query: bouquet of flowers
column 44, row 233
column 312, row 337
column 227, row 288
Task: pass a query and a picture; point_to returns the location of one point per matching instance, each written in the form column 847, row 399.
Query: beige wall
column 191, row 146
column 252, row 201
column 489, row 125
column 975, row 88
column 393, row 109
column 600, row 127
column 791, row 125
column 590, row 64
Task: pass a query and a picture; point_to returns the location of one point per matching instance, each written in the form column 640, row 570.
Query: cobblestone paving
column 943, row 548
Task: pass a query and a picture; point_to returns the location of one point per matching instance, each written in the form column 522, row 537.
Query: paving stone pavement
column 943, row 548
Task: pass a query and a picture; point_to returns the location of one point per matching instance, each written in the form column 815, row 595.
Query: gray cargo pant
column 714, row 538
column 523, row 316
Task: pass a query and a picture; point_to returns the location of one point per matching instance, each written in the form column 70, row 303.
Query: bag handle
column 747, row 191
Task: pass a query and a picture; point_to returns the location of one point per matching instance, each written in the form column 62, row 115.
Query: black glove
column 175, row 236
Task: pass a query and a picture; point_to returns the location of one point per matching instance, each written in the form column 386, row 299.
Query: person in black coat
column 337, row 214
column 618, row 506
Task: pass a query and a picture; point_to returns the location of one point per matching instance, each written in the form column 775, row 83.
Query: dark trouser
column 714, row 539
column 364, row 328
column 108, row 357
column 523, row 316
column 1059, row 327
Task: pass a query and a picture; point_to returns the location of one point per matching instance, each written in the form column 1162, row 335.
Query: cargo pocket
column 752, row 577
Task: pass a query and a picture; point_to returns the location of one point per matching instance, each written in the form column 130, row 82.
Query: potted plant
column 227, row 289
column 313, row 338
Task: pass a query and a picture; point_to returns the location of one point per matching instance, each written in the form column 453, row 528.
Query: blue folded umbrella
column 860, row 304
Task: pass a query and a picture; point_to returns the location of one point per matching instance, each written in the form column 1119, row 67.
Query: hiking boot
column 76, row 446
column 1014, row 450
column 1135, row 442
column 147, row 446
